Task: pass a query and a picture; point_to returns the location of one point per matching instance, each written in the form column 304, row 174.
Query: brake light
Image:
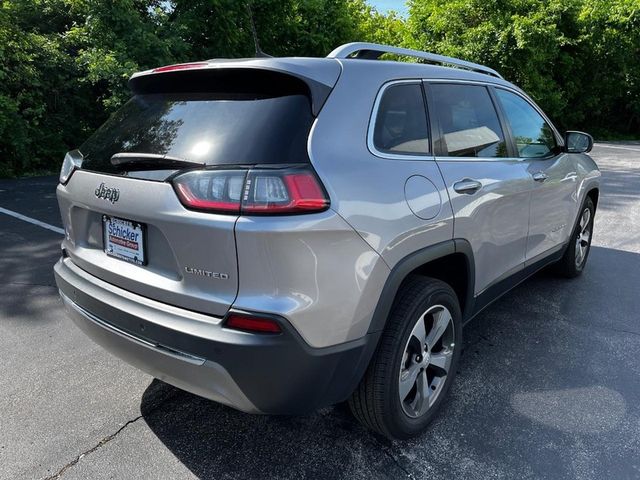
column 213, row 190
column 283, row 193
column 180, row 66
column 252, row 324
column 253, row 192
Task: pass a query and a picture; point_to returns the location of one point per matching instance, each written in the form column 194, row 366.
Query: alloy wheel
column 426, row 361
column 583, row 237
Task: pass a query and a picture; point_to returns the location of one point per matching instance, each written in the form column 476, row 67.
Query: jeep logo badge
column 111, row 194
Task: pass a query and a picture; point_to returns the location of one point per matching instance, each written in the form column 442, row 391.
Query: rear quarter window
column 401, row 122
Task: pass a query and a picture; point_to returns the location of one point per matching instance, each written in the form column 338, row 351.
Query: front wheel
column 575, row 257
column 415, row 362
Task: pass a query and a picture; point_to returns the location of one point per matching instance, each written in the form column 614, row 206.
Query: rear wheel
column 575, row 257
column 415, row 363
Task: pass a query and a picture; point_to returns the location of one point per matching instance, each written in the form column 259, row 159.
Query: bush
column 65, row 63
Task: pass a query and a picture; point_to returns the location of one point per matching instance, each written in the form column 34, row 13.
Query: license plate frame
column 121, row 247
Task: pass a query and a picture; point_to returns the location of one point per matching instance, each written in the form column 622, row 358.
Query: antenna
column 259, row 52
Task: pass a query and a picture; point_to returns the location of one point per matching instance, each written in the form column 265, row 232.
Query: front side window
column 401, row 121
column 533, row 135
column 468, row 121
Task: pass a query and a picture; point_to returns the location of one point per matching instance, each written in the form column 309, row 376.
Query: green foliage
column 579, row 59
column 64, row 64
column 41, row 110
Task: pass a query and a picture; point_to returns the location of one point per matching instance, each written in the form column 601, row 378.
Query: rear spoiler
column 274, row 76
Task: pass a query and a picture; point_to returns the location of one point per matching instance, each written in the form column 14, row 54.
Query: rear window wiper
column 145, row 161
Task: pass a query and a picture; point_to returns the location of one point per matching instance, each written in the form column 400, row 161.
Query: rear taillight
column 252, row 192
column 72, row 161
column 213, row 190
column 249, row 323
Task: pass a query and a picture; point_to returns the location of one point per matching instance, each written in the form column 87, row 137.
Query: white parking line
column 24, row 218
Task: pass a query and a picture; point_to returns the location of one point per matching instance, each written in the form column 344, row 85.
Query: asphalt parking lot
column 548, row 385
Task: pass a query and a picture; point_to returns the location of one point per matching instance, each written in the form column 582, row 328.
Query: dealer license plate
column 124, row 239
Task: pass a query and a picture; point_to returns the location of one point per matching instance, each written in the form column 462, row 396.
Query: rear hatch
column 124, row 221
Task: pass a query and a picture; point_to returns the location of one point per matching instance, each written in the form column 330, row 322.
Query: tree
column 42, row 110
column 577, row 58
column 64, row 64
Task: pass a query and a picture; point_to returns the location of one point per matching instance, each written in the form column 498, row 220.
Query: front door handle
column 467, row 186
column 540, row 176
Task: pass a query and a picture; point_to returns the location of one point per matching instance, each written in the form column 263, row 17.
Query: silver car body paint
column 174, row 240
column 323, row 273
column 312, row 269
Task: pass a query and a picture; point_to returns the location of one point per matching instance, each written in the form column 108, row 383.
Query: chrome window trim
column 431, row 156
column 509, row 88
column 524, row 96
column 372, row 120
column 441, row 158
column 446, row 158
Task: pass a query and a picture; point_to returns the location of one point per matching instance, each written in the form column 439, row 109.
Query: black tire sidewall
column 588, row 203
column 400, row 424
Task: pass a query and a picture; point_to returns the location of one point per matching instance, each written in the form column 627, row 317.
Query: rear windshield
column 216, row 129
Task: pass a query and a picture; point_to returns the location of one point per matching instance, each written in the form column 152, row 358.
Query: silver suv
column 283, row 234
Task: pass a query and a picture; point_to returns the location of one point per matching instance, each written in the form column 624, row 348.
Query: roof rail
column 372, row 51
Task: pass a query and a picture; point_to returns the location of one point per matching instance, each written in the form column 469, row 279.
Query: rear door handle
column 467, row 186
column 540, row 176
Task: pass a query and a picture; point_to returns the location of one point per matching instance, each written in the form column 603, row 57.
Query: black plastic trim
column 497, row 290
column 437, row 138
column 413, row 261
column 279, row 374
column 512, row 146
column 473, row 304
column 464, row 247
column 439, row 146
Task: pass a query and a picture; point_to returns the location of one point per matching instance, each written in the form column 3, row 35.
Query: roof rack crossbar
column 372, row 51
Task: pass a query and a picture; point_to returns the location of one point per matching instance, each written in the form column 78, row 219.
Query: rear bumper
column 274, row 374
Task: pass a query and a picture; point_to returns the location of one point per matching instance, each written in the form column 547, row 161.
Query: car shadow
column 546, row 344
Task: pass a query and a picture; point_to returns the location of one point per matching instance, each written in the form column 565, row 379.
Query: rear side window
column 401, row 121
column 533, row 135
column 211, row 128
column 468, row 121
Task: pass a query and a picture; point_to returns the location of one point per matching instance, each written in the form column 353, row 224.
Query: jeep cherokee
column 282, row 234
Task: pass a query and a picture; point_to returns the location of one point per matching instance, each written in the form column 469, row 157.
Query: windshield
column 215, row 129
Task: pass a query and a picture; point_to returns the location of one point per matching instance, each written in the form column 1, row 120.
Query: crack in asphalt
column 101, row 443
column 395, row 460
column 614, row 329
column 108, row 438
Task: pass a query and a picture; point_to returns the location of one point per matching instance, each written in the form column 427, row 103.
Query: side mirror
column 577, row 142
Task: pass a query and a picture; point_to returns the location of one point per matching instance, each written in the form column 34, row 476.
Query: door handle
column 540, row 176
column 467, row 186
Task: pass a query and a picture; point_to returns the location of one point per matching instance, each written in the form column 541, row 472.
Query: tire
column 575, row 256
column 376, row 402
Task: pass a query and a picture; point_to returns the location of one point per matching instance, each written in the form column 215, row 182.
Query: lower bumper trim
column 187, row 372
column 187, row 357
column 272, row 374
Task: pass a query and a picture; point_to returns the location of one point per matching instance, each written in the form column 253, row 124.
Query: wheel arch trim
column 590, row 192
column 594, row 193
column 415, row 260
